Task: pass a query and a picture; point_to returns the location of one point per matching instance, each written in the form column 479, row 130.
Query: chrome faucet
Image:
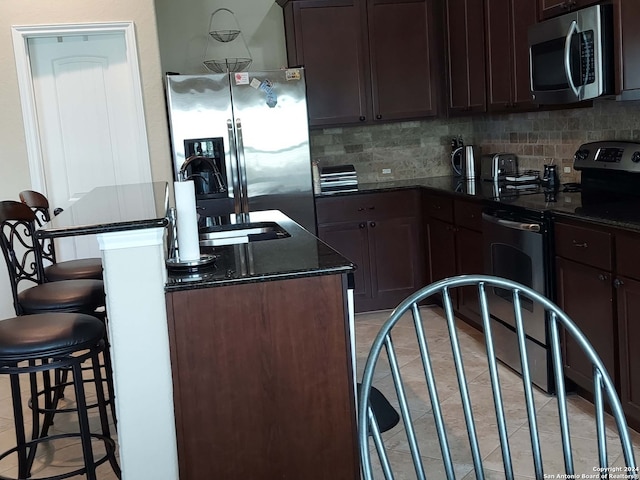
column 182, row 174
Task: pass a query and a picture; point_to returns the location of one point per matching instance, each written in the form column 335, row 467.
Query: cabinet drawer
column 368, row 206
column 584, row 245
column 626, row 249
column 468, row 214
column 440, row 207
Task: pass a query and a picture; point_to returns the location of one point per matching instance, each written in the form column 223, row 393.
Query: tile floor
column 64, row 455
column 53, row 458
column 580, row 411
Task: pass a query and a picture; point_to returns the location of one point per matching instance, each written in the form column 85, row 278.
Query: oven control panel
column 620, row 156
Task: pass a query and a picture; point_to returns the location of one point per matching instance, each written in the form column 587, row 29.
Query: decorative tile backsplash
column 421, row 148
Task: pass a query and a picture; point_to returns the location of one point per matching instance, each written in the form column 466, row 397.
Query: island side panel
column 263, row 382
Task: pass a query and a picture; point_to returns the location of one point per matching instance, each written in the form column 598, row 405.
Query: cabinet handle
column 361, row 209
column 372, row 224
column 373, row 207
column 362, row 225
column 579, row 245
column 618, row 283
column 378, row 117
column 602, row 277
column 362, row 119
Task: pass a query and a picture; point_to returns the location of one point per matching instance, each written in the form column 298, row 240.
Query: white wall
column 183, row 28
column 14, row 169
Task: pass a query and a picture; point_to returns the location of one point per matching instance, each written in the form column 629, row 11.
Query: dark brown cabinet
column 465, row 53
column 262, row 379
column 454, row 229
column 325, row 36
column 366, row 61
column 627, row 41
column 381, row 233
column 507, row 23
column 585, row 293
column 627, row 285
column 553, row 8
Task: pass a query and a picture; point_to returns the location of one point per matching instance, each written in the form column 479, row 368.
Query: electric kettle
column 471, row 162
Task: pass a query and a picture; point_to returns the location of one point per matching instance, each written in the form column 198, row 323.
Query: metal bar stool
column 24, row 265
column 81, row 268
column 45, row 342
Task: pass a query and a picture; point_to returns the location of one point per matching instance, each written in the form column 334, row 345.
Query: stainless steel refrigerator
column 244, row 139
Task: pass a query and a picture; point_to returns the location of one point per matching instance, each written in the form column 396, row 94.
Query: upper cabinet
column 366, row 61
column 464, row 36
column 626, row 14
column 507, row 23
column 552, row 8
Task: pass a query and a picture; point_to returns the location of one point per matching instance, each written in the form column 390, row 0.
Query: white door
column 87, row 121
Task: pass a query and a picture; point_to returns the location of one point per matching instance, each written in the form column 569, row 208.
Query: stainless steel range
column 518, row 239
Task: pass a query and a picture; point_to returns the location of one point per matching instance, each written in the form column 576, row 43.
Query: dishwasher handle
column 526, row 227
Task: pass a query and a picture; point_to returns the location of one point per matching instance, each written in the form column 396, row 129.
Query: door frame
column 21, row 34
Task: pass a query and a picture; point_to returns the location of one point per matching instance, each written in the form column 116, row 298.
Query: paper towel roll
column 186, row 221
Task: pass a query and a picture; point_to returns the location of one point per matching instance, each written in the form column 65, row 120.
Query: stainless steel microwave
column 571, row 56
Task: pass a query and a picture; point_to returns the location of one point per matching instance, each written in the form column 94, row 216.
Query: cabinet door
column 442, row 250
column 464, row 21
column 628, row 295
column 586, row 295
column 351, row 240
column 402, row 68
column 397, row 258
column 331, row 45
column 628, row 44
column 508, row 53
column 470, row 260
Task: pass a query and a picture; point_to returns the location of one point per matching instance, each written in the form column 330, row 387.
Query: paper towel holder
column 173, row 261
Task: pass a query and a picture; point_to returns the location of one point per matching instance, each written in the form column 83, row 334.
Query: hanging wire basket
column 224, row 35
column 224, row 28
column 227, row 65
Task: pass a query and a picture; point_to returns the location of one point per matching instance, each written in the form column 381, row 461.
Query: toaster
column 495, row 167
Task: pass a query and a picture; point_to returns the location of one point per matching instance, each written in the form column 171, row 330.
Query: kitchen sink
column 232, row 234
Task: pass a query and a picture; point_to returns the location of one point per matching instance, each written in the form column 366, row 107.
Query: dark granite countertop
column 620, row 213
column 112, row 209
column 299, row 255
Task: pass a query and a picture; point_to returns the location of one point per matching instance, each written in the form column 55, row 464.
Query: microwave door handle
column 567, row 57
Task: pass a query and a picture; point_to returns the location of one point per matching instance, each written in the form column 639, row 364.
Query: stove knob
column 635, row 158
column 581, row 155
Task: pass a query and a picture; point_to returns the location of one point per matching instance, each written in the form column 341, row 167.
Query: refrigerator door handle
column 242, row 170
column 237, row 206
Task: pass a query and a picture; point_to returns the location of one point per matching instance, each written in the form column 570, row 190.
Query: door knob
column 362, row 225
column 372, row 224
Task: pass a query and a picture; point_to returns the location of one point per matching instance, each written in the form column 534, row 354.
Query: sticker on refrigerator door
column 255, row 83
column 242, row 78
column 292, row 74
column 272, row 98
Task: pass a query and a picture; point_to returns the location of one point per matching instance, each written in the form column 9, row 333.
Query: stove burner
column 571, row 187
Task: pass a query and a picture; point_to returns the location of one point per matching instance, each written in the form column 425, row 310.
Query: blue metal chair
column 558, row 323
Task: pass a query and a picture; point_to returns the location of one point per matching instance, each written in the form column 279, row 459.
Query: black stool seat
column 65, row 296
column 47, row 334
column 83, row 268
column 47, row 342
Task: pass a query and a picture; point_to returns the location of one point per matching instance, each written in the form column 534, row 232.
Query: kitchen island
column 262, row 355
column 255, row 351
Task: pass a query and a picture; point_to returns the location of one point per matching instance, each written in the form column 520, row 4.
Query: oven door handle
column 526, row 227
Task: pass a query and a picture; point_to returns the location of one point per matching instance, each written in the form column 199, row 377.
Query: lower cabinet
column 598, row 286
column 585, row 293
column 262, row 381
column 381, row 233
column 454, row 229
